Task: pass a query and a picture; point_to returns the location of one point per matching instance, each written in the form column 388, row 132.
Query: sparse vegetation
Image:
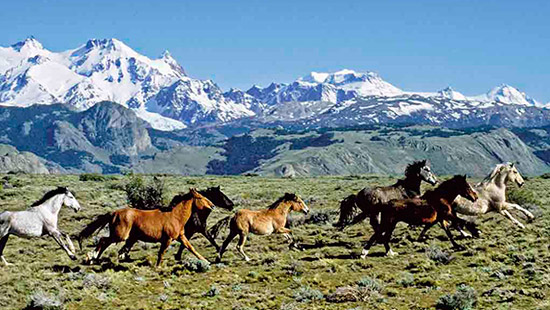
column 507, row 267
column 463, row 299
column 145, row 196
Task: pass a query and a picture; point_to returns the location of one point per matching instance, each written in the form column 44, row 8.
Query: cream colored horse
column 492, row 195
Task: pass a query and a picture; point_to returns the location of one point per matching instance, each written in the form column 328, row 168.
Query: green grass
column 506, row 267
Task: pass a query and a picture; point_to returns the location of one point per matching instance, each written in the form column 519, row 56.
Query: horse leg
column 508, row 215
column 240, row 246
column 164, row 244
column 387, row 238
column 190, row 247
column 102, row 245
column 377, row 235
column 230, row 237
column 210, row 238
column 3, row 242
column 124, row 252
column 182, row 247
column 68, row 240
column 422, row 236
column 521, row 209
column 57, row 236
column 445, row 226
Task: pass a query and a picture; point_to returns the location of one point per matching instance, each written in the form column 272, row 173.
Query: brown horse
column 369, row 200
column 132, row 225
column 433, row 207
column 262, row 222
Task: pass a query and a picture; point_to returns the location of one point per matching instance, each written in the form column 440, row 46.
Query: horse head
column 464, row 188
column 421, row 169
column 218, row 198
column 297, row 204
column 200, row 202
column 512, row 174
column 70, row 201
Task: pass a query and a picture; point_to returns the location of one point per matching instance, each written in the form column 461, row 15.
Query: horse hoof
column 73, row 257
column 391, row 253
column 364, row 253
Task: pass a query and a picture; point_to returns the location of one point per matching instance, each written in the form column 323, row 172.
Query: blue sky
column 415, row 45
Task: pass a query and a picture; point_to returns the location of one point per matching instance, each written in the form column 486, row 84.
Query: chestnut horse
column 368, row 200
column 433, row 207
column 132, row 225
column 262, row 222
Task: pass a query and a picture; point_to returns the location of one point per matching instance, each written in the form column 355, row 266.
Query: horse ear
column 192, row 190
column 512, row 164
column 219, row 187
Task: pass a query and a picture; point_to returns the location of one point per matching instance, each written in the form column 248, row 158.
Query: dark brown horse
column 368, row 200
column 197, row 224
column 435, row 206
column 132, row 225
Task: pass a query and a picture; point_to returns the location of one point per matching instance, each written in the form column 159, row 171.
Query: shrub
column 318, row 217
column 366, row 289
column 99, row 281
column 370, row 283
column 463, row 299
column 439, row 256
column 307, row 294
column 144, row 196
column 406, row 279
column 92, row 177
column 213, row 291
column 41, row 300
column 196, row 265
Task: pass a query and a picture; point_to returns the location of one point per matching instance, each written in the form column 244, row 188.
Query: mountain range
column 160, row 92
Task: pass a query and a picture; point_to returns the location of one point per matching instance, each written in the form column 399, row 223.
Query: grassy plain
column 508, row 268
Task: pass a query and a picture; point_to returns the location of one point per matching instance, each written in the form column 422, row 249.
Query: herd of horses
column 187, row 214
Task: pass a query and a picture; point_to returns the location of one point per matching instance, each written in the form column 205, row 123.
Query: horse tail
column 214, row 231
column 97, row 224
column 347, row 210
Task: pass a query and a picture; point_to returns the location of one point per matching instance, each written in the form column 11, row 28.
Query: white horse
column 38, row 220
column 492, row 195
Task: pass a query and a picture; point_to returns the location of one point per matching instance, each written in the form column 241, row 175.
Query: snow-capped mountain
column 108, row 70
column 160, row 92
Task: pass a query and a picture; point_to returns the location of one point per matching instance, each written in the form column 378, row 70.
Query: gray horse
column 38, row 220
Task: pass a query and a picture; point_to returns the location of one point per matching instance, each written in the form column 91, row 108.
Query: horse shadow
column 65, row 268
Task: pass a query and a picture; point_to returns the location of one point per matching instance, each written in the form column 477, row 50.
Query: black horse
column 368, row 200
column 196, row 225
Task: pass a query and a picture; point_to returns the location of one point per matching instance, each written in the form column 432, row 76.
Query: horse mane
column 286, row 197
column 179, row 198
column 414, row 167
column 49, row 195
column 491, row 175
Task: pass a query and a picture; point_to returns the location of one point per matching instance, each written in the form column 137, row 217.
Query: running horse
column 492, row 197
column 431, row 208
column 368, row 200
column 262, row 222
column 154, row 226
column 38, row 220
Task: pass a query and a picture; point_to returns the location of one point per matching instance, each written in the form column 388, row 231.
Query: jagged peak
column 112, row 43
column 29, row 43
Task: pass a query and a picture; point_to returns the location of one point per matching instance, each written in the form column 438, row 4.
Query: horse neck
column 182, row 211
column 52, row 205
column 411, row 184
column 445, row 192
column 500, row 180
column 283, row 208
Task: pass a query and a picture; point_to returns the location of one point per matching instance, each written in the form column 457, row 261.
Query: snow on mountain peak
column 28, row 44
column 509, row 95
column 450, row 93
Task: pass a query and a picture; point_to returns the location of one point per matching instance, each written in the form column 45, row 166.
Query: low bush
column 145, row 196
column 196, row 265
column 213, row 291
column 366, row 289
column 464, row 298
column 41, row 300
column 439, row 256
column 406, row 279
column 92, row 177
column 307, row 294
